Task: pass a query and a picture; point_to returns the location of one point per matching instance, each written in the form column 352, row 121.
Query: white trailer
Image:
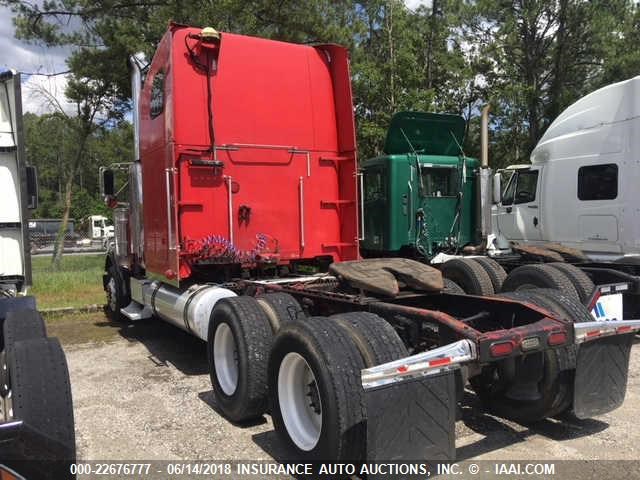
column 581, row 189
column 18, row 185
column 36, row 410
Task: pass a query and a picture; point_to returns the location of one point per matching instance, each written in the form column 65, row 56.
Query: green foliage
column 529, row 58
column 545, row 55
column 50, row 145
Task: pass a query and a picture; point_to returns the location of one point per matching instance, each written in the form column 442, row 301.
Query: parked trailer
column 244, row 232
column 37, row 437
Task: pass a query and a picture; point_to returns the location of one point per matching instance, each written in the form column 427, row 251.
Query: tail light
column 557, row 338
column 501, row 349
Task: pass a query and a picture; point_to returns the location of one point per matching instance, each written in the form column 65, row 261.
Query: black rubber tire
column 8, row 304
column 281, row 308
column 41, row 391
column 562, row 303
column 469, row 275
column 581, row 281
column 336, row 364
column 23, row 325
column 374, row 337
column 538, row 276
column 551, row 389
column 577, row 313
column 452, row 287
column 253, row 337
column 565, row 307
column 122, row 295
column 553, row 386
column 494, row 270
column 558, row 396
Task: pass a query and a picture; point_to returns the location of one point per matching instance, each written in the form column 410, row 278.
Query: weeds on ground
column 77, row 283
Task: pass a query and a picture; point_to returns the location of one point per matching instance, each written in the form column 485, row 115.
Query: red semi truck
column 241, row 227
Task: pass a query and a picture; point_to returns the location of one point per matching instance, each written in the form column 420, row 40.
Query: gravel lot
column 142, row 391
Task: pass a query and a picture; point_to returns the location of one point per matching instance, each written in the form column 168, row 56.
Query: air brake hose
column 422, row 231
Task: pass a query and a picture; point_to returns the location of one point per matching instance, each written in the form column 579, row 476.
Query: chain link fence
column 94, row 235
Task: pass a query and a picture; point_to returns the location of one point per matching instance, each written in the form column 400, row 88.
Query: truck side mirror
column 497, row 188
column 107, row 182
column 32, row 187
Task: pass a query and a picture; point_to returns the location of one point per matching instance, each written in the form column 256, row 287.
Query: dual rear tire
column 305, row 372
column 484, row 276
column 469, row 275
column 240, row 335
column 563, row 277
column 238, row 344
column 550, row 372
column 321, row 413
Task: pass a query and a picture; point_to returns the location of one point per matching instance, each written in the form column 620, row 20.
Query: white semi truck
column 37, row 437
column 581, row 189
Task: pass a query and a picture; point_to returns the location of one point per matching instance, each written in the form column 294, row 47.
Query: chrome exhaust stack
column 484, row 179
column 138, row 64
column 484, row 136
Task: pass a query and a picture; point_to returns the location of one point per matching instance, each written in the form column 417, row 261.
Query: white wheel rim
column 225, row 359
column 300, row 403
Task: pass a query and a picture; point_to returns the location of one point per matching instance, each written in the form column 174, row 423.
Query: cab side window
column 598, row 182
column 439, row 182
column 521, row 188
column 527, row 183
column 509, row 190
column 375, row 187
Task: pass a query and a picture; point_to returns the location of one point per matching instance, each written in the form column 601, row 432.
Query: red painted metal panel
column 157, row 158
column 284, row 134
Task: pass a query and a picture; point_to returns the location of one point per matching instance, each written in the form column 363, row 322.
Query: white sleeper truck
column 37, row 438
column 581, row 189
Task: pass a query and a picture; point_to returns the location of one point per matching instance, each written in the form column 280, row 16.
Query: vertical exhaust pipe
column 136, row 227
column 484, row 136
column 484, row 179
column 137, row 63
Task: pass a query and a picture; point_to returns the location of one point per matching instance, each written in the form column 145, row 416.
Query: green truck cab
column 419, row 197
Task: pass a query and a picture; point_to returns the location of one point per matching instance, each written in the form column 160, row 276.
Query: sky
column 26, row 57
column 32, row 58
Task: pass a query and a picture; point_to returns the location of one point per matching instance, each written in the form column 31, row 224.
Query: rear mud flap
column 412, row 420
column 33, row 454
column 601, row 375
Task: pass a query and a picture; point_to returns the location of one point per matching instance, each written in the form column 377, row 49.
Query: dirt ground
column 142, row 391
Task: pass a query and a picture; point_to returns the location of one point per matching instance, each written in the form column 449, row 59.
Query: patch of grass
column 77, row 283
